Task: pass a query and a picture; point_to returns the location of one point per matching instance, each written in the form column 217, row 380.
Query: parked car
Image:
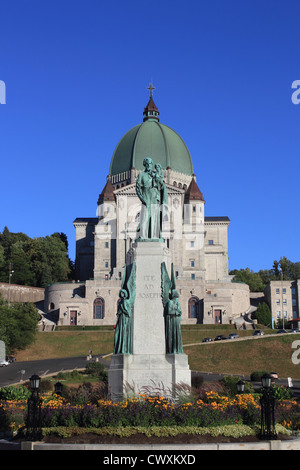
column 220, row 337
column 233, row 336
column 11, row 359
column 206, row 340
column 294, row 330
column 258, row 333
column 274, row 376
column 281, row 331
column 4, row 363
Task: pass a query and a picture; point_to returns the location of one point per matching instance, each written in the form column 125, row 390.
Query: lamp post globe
column 240, row 386
column 266, row 381
column 35, row 382
column 58, row 387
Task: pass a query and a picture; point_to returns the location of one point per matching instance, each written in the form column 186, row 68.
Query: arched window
column 193, row 307
column 99, row 310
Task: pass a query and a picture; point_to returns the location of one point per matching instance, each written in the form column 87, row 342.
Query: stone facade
column 94, row 302
column 197, row 244
column 283, row 299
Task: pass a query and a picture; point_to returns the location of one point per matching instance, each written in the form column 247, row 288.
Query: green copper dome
column 151, row 139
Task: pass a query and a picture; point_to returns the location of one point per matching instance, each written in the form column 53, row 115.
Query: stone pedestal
column 150, row 374
column 149, row 369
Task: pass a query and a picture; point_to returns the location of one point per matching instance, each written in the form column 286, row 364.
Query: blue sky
column 76, row 73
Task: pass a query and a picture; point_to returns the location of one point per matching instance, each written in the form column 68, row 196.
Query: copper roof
column 107, row 193
column 193, row 193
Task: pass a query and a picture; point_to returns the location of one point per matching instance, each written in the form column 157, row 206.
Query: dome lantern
column 151, row 110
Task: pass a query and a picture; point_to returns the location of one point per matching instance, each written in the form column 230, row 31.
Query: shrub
column 96, row 369
column 74, row 374
column 85, row 393
column 280, row 392
column 45, row 386
column 217, row 387
column 257, row 375
column 197, row 381
column 230, row 382
column 4, row 419
column 12, row 415
column 12, row 392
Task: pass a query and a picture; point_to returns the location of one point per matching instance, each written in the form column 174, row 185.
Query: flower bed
column 155, row 414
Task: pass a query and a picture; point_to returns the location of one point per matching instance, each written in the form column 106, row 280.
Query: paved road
column 20, row 371
column 17, row 371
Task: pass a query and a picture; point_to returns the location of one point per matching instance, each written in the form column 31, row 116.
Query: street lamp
column 58, row 387
column 35, row 383
column 266, row 381
column 240, row 386
column 267, row 402
column 33, row 419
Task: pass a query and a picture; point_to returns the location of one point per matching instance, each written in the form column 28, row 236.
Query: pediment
column 130, row 190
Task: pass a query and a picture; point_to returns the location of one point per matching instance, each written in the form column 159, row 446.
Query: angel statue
column 172, row 312
column 123, row 332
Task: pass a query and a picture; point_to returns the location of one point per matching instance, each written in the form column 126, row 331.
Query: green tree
column 20, row 258
column 18, row 324
column 263, row 314
column 36, row 262
column 50, row 261
column 249, row 277
column 286, row 270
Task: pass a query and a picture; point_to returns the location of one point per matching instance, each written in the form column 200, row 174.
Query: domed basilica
column 198, row 244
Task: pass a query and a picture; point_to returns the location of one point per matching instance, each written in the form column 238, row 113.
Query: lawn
column 230, row 357
column 244, row 357
column 50, row 345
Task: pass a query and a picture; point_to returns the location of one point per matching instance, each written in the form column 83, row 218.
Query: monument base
column 150, row 374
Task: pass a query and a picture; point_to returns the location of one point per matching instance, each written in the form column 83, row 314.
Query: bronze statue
column 172, row 312
column 123, row 333
column 153, row 194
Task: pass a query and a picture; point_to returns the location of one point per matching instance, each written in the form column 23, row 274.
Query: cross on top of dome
column 151, row 88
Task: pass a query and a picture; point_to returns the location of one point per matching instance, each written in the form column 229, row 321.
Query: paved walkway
column 188, row 449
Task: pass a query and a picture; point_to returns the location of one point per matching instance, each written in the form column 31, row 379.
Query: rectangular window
column 284, row 290
column 277, row 291
column 192, row 263
column 194, row 208
column 106, row 264
column 192, row 244
column 106, row 245
column 210, row 242
column 192, row 276
column 277, row 301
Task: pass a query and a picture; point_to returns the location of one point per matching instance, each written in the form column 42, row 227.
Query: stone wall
column 17, row 293
column 2, row 351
